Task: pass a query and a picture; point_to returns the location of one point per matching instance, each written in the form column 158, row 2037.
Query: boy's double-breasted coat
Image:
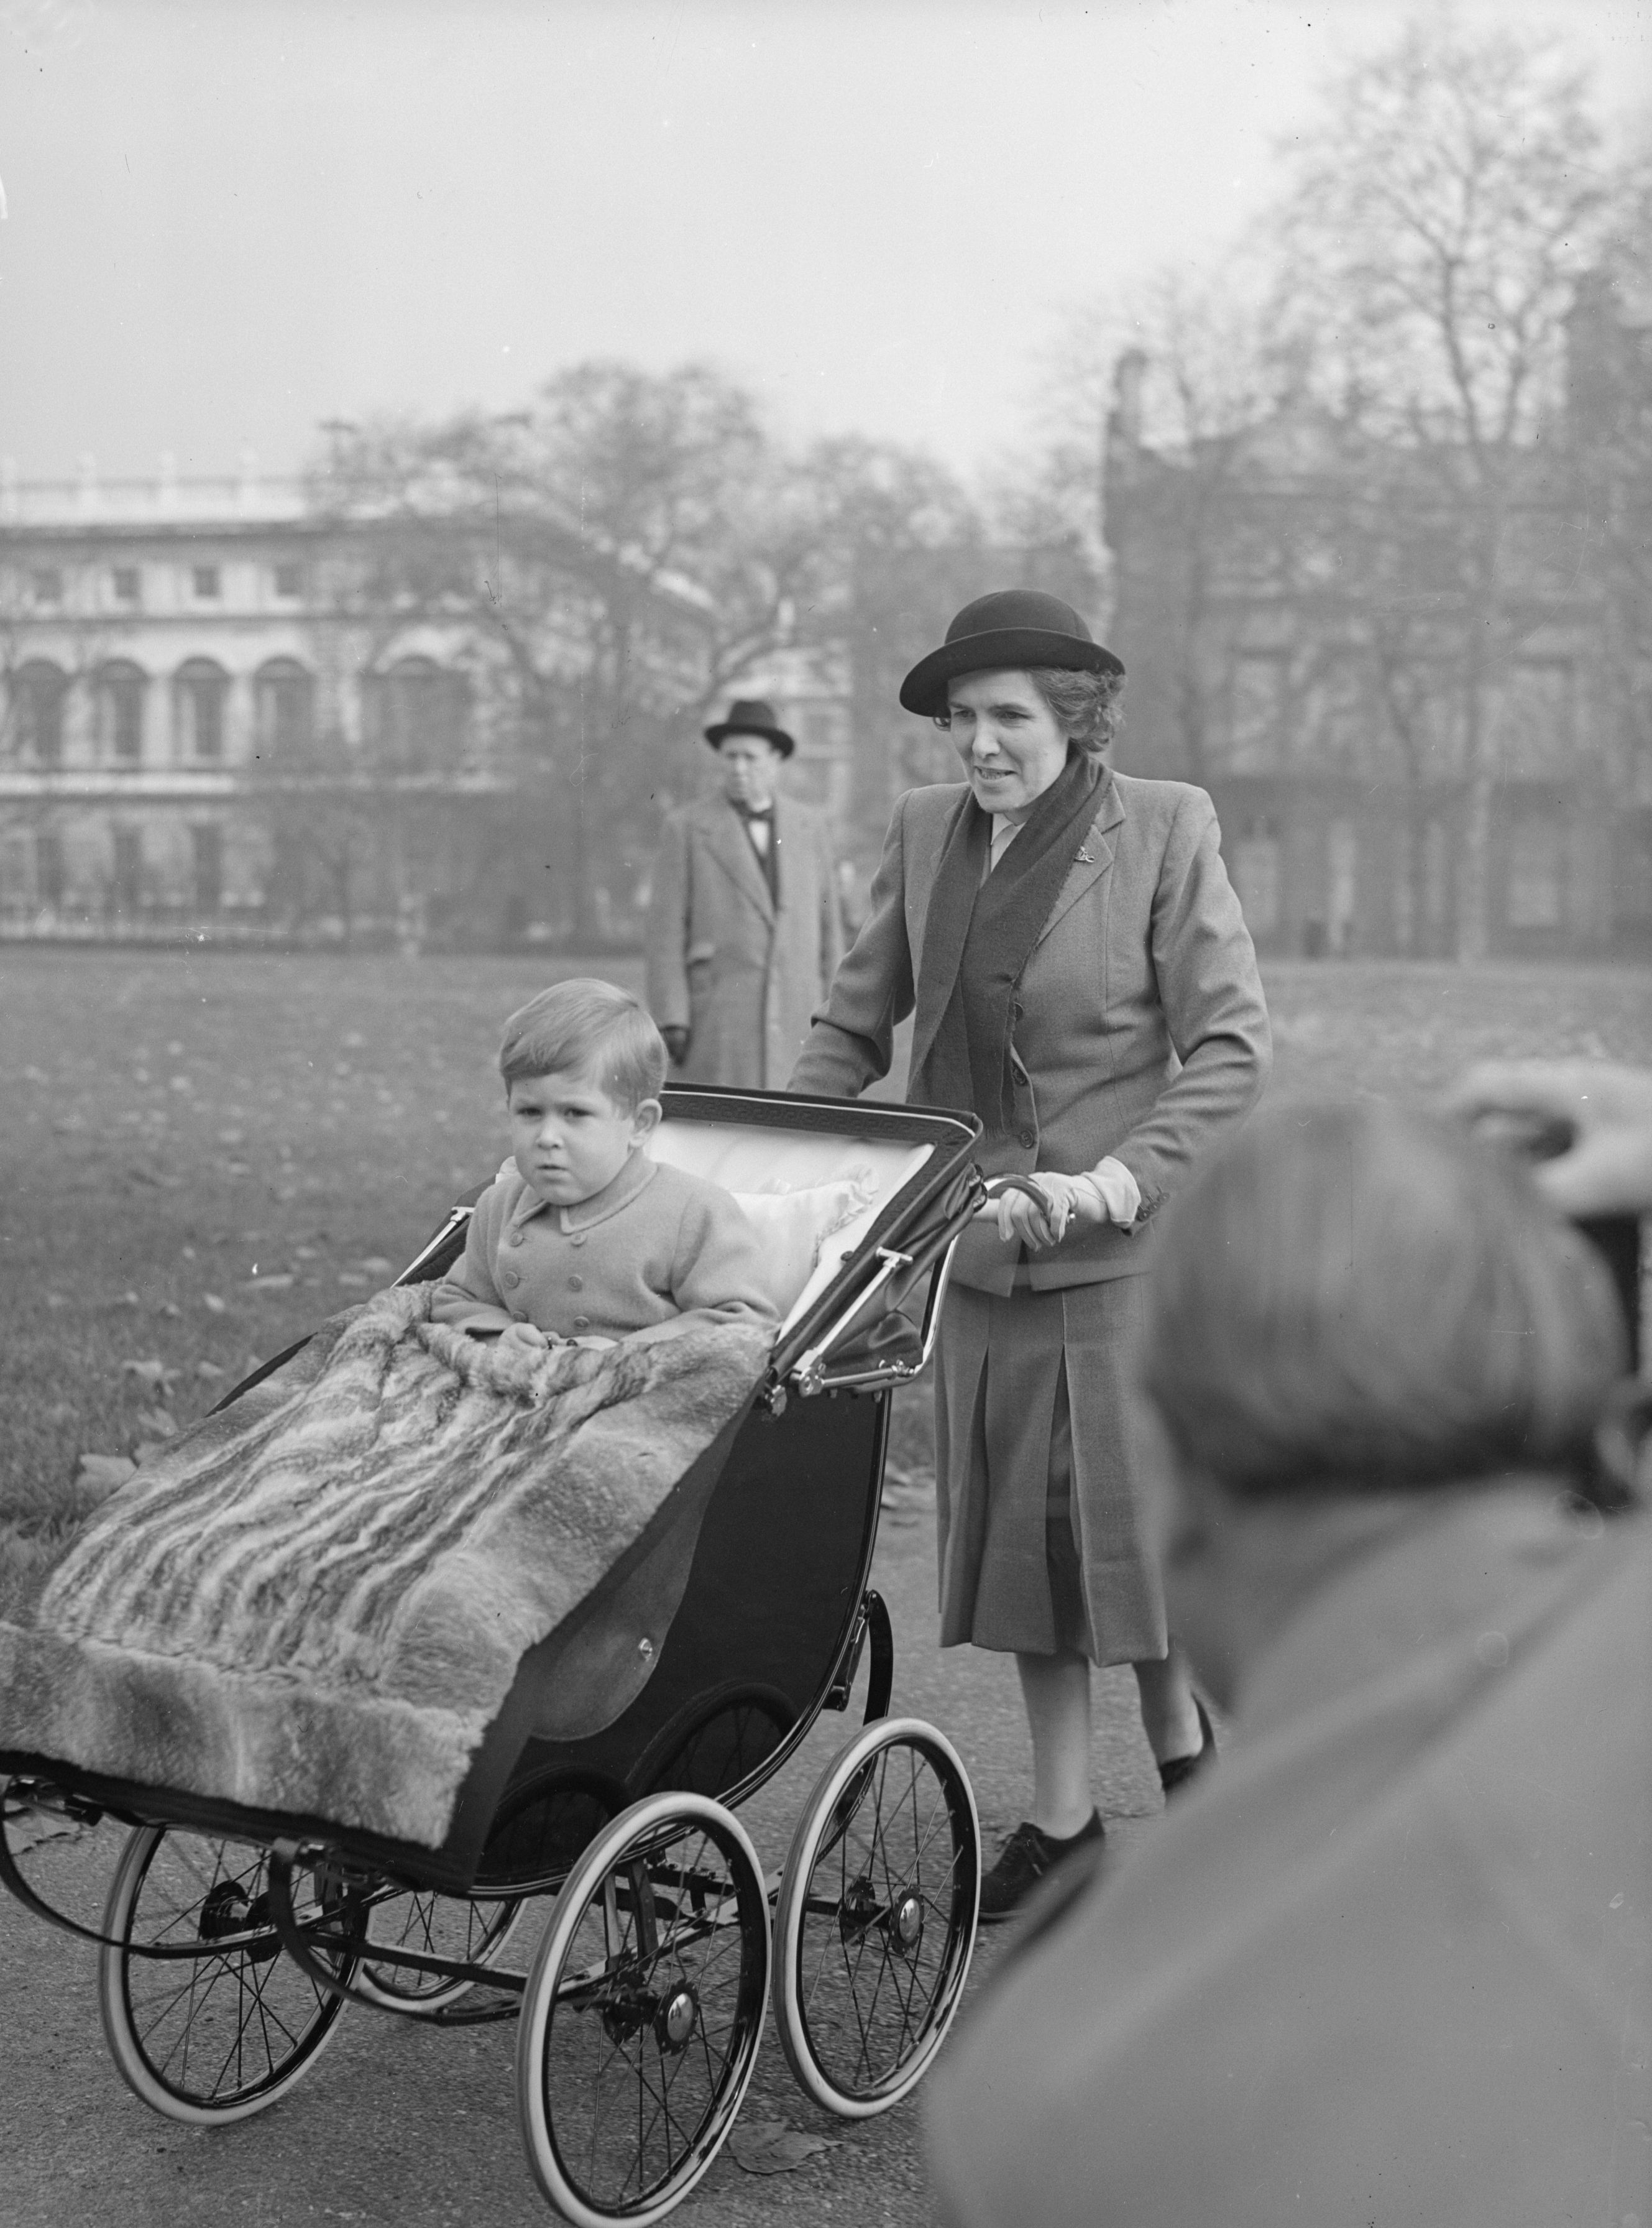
column 741, row 970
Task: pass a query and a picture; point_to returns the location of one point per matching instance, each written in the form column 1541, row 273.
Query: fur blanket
column 315, row 1603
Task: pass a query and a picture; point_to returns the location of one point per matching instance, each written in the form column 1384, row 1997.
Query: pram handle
column 907, row 1353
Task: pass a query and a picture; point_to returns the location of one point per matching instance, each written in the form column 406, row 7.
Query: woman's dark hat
column 749, row 715
column 1005, row 632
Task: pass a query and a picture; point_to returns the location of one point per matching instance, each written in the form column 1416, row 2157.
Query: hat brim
column 777, row 736
column 1004, row 650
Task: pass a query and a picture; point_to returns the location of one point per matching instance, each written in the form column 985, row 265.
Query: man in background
column 745, row 928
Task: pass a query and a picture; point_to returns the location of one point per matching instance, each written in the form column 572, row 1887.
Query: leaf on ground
column 156, row 1424
column 155, row 1374
column 212, row 1303
column 209, row 1373
column 771, row 2146
column 103, row 1473
column 283, row 1283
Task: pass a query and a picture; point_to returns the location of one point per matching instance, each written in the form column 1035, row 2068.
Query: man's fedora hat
column 1005, row 632
column 749, row 715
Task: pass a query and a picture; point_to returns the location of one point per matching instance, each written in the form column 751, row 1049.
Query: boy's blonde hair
column 586, row 1023
column 1351, row 1296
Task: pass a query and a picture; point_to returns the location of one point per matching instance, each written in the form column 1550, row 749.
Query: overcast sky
column 226, row 222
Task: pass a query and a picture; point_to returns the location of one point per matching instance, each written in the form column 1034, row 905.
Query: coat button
column 582, row 1323
column 578, row 1238
column 576, row 1283
column 1029, row 1138
column 512, row 1278
column 515, row 1238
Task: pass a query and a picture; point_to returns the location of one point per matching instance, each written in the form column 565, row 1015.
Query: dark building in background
column 1294, row 605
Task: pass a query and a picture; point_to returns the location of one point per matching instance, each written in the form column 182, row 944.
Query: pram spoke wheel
column 876, row 1916
column 643, row 2012
column 439, row 1926
column 221, row 2024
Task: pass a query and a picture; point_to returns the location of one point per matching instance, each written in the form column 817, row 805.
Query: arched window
column 120, row 711
column 416, row 715
column 283, row 697
column 200, row 689
column 35, row 717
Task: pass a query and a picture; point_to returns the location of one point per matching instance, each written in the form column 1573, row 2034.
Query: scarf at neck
column 978, row 938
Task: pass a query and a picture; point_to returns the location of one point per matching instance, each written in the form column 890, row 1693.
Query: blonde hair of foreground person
column 1355, row 1297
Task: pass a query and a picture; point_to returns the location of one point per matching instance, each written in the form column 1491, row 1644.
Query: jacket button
column 512, row 1278
column 1029, row 1138
column 582, row 1323
column 515, row 1238
column 578, row 1238
column 576, row 1283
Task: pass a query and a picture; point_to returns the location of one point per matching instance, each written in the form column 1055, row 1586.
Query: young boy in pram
column 589, row 1240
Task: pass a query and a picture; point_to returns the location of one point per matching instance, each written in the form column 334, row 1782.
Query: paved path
column 406, row 2125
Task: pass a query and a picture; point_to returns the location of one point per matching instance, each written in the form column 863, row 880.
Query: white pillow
column 794, row 1224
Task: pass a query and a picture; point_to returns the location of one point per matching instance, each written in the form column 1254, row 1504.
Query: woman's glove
column 1064, row 1202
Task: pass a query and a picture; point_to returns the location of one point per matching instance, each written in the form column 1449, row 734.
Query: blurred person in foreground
column 1394, row 1961
column 745, row 927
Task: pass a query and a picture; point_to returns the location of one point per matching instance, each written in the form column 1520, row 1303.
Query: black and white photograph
column 825, row 1113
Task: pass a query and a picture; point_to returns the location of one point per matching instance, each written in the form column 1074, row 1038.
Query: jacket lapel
column 1093, row 860
column 731, row 847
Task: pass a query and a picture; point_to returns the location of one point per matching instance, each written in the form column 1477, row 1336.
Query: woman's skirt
column 1042, row 1444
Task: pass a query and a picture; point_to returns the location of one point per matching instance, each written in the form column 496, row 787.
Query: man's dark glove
column 676, row 1042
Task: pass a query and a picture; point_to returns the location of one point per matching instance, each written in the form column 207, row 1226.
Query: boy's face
column 569, row 1139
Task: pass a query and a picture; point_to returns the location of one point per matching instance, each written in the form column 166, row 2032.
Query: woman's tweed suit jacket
column 1140, row 1019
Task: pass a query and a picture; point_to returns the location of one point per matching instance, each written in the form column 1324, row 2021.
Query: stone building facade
column 224, row 714
column 1291, row 605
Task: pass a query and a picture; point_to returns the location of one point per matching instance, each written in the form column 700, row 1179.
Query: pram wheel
column 438, row 1926
column 643, row 2012
column 875, row 1921
column 223, row 2024
column 543, row 1824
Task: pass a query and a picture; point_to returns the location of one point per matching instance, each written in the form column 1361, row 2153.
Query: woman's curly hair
column 1087, row 707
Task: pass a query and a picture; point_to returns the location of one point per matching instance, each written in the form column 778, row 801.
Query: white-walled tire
column 643, row 2010
column 875, row 1922
column 228, row 2025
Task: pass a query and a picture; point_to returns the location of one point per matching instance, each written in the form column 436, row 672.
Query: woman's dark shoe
column 1024, row 1860
column 1175, row 1775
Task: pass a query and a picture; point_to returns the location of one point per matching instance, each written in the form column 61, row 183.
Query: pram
column 231, row 1937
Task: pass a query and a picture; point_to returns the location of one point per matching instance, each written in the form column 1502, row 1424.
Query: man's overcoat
column 741, row 970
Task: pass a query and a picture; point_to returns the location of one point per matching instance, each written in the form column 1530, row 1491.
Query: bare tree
column 1439, row 219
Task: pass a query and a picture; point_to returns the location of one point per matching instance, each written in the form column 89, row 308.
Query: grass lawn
column 202, row 1155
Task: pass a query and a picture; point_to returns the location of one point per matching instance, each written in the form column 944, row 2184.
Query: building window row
column 416, row 714
column 205, row 584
